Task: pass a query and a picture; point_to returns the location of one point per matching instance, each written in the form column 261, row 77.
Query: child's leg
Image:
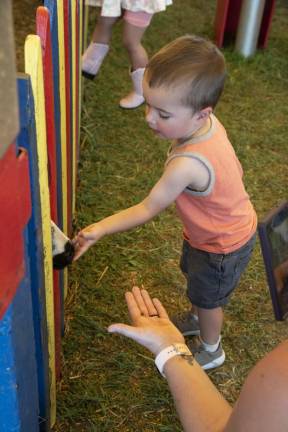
column 207, row 350
column 187, row 321
column 210, row 323
column 99, row 46
column 219, row 275
column 135, row 24
column 103, row 29
column 132, row 37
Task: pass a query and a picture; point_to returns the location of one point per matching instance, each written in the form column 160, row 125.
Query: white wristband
column 169, row 352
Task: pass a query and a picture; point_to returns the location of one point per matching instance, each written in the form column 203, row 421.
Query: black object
column 63, row 249
column 273, row 234
column 88, row 75
column 62, row 260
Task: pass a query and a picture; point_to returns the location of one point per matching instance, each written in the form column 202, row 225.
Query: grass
column 108, row 383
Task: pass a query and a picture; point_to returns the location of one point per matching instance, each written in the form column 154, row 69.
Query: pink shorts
column 138, row 19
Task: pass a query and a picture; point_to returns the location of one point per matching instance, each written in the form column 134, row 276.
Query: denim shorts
column 211, row 277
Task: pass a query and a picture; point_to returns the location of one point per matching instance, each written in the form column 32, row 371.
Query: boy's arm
column 180, row 173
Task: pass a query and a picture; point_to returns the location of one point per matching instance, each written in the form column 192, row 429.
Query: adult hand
column 151, row 326
column 86, row 238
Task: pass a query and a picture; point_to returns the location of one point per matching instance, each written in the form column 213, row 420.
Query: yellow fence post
column 34, row 67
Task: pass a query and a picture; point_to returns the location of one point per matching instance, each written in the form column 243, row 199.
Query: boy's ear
column 204, row 113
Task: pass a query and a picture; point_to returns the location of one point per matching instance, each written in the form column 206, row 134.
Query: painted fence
column 39, row 147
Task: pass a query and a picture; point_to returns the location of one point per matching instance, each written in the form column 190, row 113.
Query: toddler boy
column 182, row 85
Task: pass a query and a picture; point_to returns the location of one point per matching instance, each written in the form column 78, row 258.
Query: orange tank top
column 220, row 219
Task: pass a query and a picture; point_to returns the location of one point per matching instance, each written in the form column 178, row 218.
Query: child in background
column 182, row 84
column 137, row 15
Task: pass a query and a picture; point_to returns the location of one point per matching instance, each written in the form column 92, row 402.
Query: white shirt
column 112, row 8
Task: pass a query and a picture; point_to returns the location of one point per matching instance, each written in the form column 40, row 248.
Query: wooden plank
column 27, row 139
column 232, row 21
column 266, row 23
column 52, row 7
column 11, row 257
column 79, row 48
column 220, row 21
column 18, row 386
column 43, row 31
column 74, row 76
column 62, row 95
column 33, row 66
column 226, row 21
column 79, row 79
column 64, row 31
column 9, row 407
column 12, row 262
column 22, row 334
column 69, row 120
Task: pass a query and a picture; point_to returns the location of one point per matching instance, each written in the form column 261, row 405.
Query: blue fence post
column 27, row 140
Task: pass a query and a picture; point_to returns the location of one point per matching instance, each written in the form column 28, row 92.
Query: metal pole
column 249, row 26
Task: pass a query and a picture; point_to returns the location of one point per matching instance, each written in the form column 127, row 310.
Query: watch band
column 169, row 352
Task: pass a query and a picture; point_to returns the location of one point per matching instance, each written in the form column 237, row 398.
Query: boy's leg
column 187, row 321
column 210, row 323
column 211, row 278
column 208, row 351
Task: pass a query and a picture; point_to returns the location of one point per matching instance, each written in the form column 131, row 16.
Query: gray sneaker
column 207, row 360
column 186, row 323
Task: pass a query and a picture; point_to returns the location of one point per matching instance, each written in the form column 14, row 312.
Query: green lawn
column 108, row 383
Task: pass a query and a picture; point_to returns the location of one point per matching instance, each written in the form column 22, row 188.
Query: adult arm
column 199, row 405
column 263, row 403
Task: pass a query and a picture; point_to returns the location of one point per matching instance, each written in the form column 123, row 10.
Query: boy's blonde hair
column 193, row 63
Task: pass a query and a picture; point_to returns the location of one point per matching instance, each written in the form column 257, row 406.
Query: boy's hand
column 86, row 238
column 151, row 326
